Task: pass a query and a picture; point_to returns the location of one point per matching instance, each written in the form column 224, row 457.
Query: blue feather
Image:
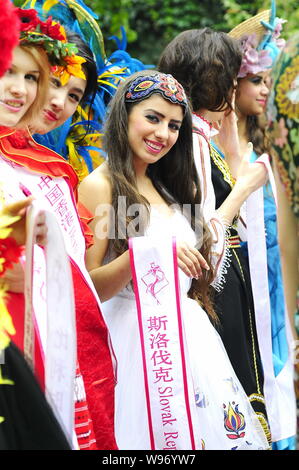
column 121, row 43
column 87, row 158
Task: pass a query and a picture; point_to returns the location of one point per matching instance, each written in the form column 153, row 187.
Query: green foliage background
column 151, row 24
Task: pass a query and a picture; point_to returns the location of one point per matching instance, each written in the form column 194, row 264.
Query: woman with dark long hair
column 207, row 63
column 150, row 172
column 252, row 92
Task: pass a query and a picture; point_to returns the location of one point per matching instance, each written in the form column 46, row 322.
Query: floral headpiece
column 165, row 84
column 52, row 37
column 260, row 42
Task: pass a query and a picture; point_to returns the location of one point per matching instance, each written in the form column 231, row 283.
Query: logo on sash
column 155, row 280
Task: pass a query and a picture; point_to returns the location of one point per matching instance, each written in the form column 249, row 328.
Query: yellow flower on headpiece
column 73, row 66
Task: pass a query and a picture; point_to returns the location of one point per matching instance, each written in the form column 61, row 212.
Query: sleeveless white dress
column 225, row 417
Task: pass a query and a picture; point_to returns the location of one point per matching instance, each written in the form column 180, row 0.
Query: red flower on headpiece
column 29, row 19
column 10, row 253
column 52, row 29
column 9, row 37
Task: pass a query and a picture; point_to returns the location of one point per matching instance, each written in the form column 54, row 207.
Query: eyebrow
column 162, row 115
column 78, row 90
column 16, row 67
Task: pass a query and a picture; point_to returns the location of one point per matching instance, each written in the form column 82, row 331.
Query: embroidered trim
column 262, row 418
column 165, row 84
column 203, row 119
column 251, row 329
column 256, row 397
column 264, row 423
column 222, row 166
column 220, row 280
column 234, row 241
column 199, row 131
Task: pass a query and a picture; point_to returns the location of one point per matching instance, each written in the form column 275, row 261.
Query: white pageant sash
column 56, row 196
column 278, row 391
column 168, row 383
column 60, row 357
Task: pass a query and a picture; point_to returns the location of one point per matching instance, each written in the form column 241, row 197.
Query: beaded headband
column 260, row 41
column 164, row 84
column 51, row 36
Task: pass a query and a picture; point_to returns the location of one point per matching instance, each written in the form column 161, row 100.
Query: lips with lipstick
column 262, row 102
column 50, row 115
column 154, row 147
column 12, row 105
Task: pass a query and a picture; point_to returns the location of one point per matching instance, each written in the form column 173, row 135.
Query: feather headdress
column 79, row 139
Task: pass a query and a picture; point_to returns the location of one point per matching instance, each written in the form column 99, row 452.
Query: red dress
column 93, row 348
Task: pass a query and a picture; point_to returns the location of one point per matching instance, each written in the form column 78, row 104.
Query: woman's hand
column 14, row 277
column 190, row 260
column 251, row 176
column 18, row 209
column 228, row 138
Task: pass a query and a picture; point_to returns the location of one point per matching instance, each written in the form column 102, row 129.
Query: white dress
column 223, row 410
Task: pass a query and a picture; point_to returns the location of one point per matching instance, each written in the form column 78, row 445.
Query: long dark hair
column 206, row 63
column 174, row 176
column 256, row 132
column 89, row 66
column 89, row 95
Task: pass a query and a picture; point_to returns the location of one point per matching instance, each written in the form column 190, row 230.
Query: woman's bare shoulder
column 96, row 187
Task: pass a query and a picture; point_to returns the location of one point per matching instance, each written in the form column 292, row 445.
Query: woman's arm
column 95, row 194
column 228, row 140
column 250, row 177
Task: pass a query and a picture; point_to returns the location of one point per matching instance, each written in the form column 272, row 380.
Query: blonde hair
column 40, row 57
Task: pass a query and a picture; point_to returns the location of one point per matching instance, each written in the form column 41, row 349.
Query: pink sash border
column 181, row 342
column 138, row 305
column 180, row 324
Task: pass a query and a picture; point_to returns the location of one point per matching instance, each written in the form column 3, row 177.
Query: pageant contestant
column 150, row 165
column 45, row 175
column 188, row 57
column 260, row 45
column 63, row 99
column 207, row 64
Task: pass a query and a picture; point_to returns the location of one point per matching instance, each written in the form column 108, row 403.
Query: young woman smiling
column 148, row 139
